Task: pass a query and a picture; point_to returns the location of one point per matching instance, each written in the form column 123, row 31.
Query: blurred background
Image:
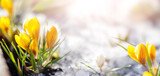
column 94, row 27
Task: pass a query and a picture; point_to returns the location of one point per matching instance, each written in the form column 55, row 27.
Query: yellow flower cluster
column 32, row 29
column 5, row 29
column 141, row 53
column 4, row 24
column 29, row 41
column 8, row 6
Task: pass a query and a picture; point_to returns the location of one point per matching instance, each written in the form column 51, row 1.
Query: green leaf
column 10, row 54
column 16, row 50
column 150, row 65
column 55, row 60
column 122, row 46
column 14, row 62
column 29, row 45
column 33, row 60
column 39, row 43
column 17, row 29
column 157, row 73
column 12, row 57
column 19, row 67
column 44, row 40
column 4, row 49
column 3, row 32
column 115, row 69
column 124, row 41
column 5, row 44
column 54, row 48
column 20, row 50
column 23, row 57
column 57, row 43
column 48, row 53
column 20, row 54
column 89, row 67
column 25, row 54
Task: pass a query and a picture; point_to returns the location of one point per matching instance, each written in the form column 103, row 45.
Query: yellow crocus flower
column 52, row 36
column 139, row 54
column 151, row 51
column 5, row 24
column 32, row 26
column 34, row 47
column 146, row 73
column 8, row 6
column 23, row 41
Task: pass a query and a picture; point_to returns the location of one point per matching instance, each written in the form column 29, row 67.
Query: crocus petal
column 100, row 61
column 32, row 26
column 141, row 54
column 52, row 36
column 147, row 74
column 8, row 6
column 151, row 52
column 22, row 40
column 34, row 47
column 4, row 24
column 147, row 45
column 131, row 52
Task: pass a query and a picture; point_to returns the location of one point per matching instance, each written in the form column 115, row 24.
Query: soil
column 47, row 72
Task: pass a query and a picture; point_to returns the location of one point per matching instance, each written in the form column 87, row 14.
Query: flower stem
column 146, row 67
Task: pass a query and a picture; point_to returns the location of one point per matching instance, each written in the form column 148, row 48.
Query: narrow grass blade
column 44, row 40
column 55, row 60
column 12, row 57
column 20, row 54
column 16, row 50
column 122, row 46
column 5, row 44
column 150, row 65
column 33, row 61
column 3, row 32
column 20, row 50
column 17, row 29
column 89, row 67
column 14, row 62
column 124, row 41
column 53, row 49
column 19, row 67
column 115, row 69
column 10, row 54
column 4, row 49
column 157, row 73
column 39, row 43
